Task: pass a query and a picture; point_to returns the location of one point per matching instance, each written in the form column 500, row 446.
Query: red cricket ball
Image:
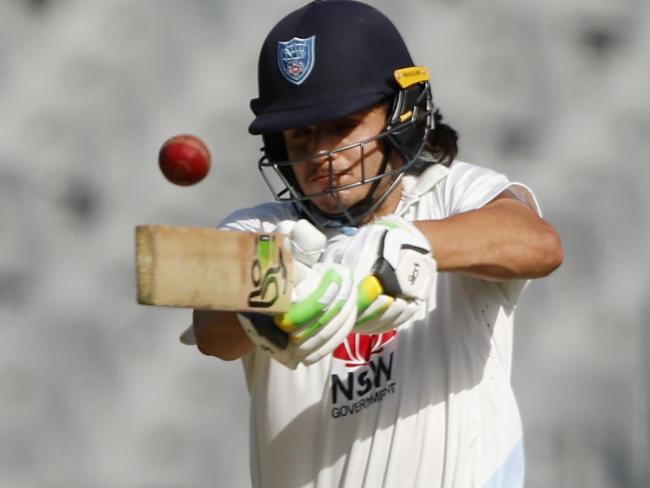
column 184, row 159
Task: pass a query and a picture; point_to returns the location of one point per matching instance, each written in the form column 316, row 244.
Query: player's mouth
column 325, row 180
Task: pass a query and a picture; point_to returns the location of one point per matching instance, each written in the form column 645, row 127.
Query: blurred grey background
column 96, row 391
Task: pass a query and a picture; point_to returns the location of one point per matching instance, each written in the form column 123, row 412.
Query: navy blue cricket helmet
column 327, row 60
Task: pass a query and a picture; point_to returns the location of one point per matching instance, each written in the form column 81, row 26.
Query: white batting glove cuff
column 396, row 251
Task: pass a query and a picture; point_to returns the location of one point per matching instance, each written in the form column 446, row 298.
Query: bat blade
column 202, row 268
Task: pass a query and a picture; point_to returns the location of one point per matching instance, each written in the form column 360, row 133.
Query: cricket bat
column 204, row 268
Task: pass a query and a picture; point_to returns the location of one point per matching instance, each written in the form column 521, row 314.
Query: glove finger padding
column 384, row 314
column 321, row 345
column 323, row 313
column 316, row 299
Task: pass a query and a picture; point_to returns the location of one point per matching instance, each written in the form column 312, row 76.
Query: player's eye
column 299, row 134
column 348, row 124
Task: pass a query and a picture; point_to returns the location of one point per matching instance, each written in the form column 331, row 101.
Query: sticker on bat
column 269, row 272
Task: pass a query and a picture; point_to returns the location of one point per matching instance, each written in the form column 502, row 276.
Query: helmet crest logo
column 296, row 59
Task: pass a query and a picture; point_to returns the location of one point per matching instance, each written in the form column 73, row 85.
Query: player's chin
column 337, row 202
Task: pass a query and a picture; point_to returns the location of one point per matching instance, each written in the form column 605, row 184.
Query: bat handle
column 368, row 290
column 265, row 327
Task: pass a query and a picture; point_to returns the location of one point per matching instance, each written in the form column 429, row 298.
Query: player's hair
column 441, row 144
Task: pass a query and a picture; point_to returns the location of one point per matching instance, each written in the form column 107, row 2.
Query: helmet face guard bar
column 345, row 216
column 411, row 119
column 280, row 168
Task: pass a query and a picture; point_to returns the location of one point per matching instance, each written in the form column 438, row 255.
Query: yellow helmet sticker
column 405, row 116
column 406, row 77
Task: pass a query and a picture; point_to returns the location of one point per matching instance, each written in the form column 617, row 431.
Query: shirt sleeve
column 469, row 187
column 262, row 218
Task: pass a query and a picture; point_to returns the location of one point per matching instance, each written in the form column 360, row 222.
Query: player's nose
column 326, row 141
column 326, row 138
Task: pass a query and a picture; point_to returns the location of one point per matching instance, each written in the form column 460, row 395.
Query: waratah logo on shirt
column 357, row 349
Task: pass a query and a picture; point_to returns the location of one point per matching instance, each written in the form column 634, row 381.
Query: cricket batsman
column 392, row 367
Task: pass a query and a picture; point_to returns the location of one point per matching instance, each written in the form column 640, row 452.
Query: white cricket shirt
column 426, row 405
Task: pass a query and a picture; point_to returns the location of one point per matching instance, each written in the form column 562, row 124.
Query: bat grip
column 265, row 327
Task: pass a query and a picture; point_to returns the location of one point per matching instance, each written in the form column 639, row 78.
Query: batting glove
column 323, row 310
column 394, row 269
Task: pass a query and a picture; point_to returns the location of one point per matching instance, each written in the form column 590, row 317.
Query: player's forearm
column 219, row 334
column 503, row 240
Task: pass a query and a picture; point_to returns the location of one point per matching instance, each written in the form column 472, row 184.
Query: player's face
column 347, row 167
